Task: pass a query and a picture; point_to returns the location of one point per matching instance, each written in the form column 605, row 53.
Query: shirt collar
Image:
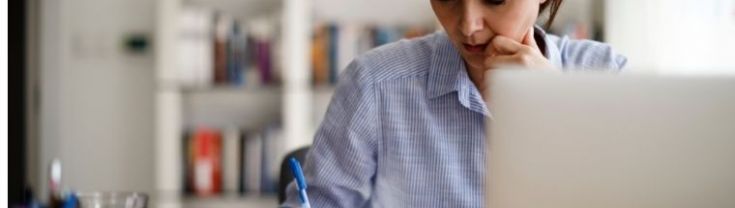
column 447, row 72
column 551, row 49
column 445, row 68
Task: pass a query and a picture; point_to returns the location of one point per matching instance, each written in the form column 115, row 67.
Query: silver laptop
column 600, row 140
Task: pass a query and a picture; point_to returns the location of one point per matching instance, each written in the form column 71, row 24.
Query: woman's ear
column 541, row 1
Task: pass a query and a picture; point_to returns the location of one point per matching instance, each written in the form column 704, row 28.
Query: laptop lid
column 604, row 140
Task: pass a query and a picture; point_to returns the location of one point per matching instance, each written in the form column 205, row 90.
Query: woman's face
column 471, row 24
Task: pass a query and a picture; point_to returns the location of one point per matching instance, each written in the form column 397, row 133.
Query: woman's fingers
column 509, row 53
column 506, row 46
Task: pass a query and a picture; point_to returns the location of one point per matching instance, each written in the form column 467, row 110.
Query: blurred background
column 197, row 102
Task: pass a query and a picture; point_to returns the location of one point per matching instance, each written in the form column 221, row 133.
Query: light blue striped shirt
column 405, row 127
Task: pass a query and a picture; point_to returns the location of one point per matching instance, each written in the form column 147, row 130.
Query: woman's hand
column 508, row 53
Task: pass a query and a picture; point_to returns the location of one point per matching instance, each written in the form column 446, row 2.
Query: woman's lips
column 479, row 48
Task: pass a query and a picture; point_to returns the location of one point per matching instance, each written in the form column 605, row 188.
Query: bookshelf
column 181, row 105
column 294, row 99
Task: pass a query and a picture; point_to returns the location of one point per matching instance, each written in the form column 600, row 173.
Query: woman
column 405, row 126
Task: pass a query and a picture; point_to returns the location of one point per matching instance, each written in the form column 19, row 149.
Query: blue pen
column 300, row 182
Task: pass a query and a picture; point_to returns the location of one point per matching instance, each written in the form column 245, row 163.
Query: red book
column 207, row 162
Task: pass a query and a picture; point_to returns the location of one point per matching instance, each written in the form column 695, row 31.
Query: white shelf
column 383, row 12
column 240, row 8
column 232, row 89
column 231, row 202
column 249, row 108
column 226, row 201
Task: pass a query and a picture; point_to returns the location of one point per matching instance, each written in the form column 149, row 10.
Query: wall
column 673, row 36
column 96, row 99
column 407, row 11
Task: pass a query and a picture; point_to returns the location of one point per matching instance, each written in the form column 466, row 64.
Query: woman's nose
column 472, row 18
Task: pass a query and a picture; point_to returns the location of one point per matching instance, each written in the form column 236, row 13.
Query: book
column 385, row 35
column 252, row 74
column 206, row 162
column 194, row 57
column 241, row 177
column 231, row 159
column 333, row 51
column 319, row 56
column 252, row 157
column 221, row 27
column 187, row 156
column 271, row 155
column 262, row 33
column 263, row 61
column 235, row 58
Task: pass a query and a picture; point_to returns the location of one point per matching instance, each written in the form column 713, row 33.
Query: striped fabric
column 405, row 127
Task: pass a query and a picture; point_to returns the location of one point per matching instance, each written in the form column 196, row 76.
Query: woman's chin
column 475, row 62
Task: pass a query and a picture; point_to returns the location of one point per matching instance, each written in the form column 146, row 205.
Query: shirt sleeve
column 341, row 164
column 587, row 54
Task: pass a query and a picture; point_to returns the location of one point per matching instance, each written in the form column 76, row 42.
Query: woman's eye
column 486, row 2
column 494, row 2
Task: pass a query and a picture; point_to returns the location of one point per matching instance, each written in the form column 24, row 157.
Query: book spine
column 319, row 56
column 230, row 162
column 333, row 52
column 234, row 60
column 264, row 61
column 194, row 46
column 252, row 73
column 252, row 172
column 205, row 51
column 272, row 141
column 266, row 174
column 220, row 49
column 207, row 165
column 242, row 158
column 186, row 160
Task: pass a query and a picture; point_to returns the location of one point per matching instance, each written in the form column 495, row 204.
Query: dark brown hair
column 553, row 7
